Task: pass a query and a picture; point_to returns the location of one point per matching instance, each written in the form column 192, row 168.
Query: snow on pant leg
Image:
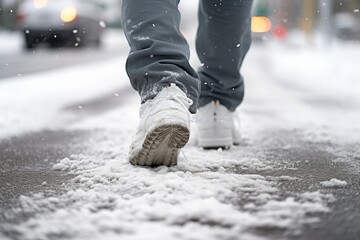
column 159, row 53
column 223, row 39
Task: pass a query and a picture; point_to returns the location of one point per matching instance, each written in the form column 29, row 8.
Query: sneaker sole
column 161, row 146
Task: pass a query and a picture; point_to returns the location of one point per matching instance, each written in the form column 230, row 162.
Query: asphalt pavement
column 42, row 59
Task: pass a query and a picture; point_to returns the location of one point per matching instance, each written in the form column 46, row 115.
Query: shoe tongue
column 174, row 92
column 168, row 93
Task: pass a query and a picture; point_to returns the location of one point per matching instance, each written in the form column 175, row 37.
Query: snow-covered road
column 295, row 174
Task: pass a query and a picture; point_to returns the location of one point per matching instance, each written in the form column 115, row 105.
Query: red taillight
column 280, row 31
column 20, row 16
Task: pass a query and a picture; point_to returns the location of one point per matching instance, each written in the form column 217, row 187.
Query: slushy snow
column 197, row 199
column 333, row 183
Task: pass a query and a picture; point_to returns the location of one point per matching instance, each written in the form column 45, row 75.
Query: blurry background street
column 67, row 114
column 314, row 24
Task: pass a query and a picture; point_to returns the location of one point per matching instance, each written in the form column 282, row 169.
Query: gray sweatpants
column 159, row 53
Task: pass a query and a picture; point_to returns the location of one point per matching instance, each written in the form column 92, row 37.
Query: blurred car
column 260, row 20
column 60, row 22
column 346, row 26
column 264, row 25
column 260, row 28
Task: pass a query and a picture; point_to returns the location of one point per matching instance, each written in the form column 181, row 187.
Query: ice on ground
column 333, row 183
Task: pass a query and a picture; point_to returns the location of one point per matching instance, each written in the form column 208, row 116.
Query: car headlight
column 68, row 14
column 40, row 3
column 260, row 24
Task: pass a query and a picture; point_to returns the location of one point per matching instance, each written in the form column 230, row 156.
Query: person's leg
column 159, row 70
column 159, row 52
column 223, row 39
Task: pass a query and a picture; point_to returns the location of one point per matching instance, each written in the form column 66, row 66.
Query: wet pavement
column 311, row 163
column 26, row 163
column 24, row 63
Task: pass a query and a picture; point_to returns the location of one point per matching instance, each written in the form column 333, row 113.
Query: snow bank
column 11, row 42
column 33, row 103
column 313, row 89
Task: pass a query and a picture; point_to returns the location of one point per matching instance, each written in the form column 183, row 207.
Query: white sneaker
column 217, row 127
column 163, row 129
